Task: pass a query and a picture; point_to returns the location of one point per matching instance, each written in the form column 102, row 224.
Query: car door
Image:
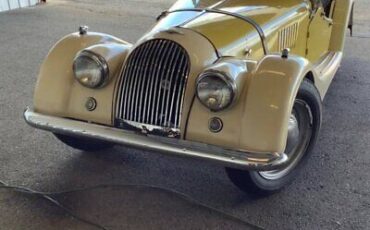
column 319, row 33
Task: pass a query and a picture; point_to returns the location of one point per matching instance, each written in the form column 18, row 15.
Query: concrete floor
column 331, row 193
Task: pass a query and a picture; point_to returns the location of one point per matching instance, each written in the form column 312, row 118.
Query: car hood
column 229, row 34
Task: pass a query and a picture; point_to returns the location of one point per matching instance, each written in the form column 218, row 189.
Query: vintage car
column 238, row 82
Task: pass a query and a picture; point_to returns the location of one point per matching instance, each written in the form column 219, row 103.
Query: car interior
column 327, row 6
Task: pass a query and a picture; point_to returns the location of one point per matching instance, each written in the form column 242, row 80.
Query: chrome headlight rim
column 224, row 77
column 102, row 64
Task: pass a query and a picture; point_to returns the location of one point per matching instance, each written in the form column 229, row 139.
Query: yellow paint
column 319, row 36
column 267, row 84
column 58, row 93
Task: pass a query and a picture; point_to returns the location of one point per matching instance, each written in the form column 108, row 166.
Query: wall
column 15, row 4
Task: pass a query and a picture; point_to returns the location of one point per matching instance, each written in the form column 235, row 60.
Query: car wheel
column 84, row 144
column 304, row 125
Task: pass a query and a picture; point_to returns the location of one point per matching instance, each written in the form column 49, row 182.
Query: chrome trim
column 153, row 88
column 130, row 94
column 181, row 94
column 223, row 76
column 219, row 121
column 165, row 79
column 249, row 20
column 166, row 95
column 135, row 77
column 91, row 104
column 299, row 136
column 154, row 112
column 174, row 30
column 100, row 60
column 226, row 157
column 146, row 129
column 150, row 82
column 285, row 53
column 139, row 87
column 287, row 37
column 160, row 67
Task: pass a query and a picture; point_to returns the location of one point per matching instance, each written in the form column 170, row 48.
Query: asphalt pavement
column 332, row 192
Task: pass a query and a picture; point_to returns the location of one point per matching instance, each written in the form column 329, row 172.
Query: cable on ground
column 49, row 197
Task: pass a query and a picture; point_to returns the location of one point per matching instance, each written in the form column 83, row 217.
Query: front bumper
column 230, row 158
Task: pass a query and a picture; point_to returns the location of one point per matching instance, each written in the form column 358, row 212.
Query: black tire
column 252, row 182
column 84, row 144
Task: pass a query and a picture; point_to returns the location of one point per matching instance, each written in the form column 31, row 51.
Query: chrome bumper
column 230, row 158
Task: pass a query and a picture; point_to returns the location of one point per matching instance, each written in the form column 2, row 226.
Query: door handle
column 328, row 20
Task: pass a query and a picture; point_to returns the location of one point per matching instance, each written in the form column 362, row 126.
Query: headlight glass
column 215, row 91
column 90, row 69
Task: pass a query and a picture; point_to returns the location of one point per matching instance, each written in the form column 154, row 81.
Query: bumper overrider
column 171, row 146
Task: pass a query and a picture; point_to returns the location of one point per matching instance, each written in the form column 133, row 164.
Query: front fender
column 259, row 119
column 57, row 93
column 270, row 98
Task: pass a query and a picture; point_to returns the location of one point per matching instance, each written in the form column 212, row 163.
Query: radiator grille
column 152, row 85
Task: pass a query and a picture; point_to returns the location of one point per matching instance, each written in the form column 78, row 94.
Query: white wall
column 15, row 4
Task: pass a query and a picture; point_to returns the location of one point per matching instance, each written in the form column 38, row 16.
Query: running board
column 325, row 70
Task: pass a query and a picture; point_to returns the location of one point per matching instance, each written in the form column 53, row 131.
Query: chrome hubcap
column 299, row 135
column 293, row 134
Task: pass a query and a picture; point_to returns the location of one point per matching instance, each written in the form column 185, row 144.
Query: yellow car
column 236, row 82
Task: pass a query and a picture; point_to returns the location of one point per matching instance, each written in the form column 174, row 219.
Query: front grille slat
column 160, row 46
column 158, row 78
column 159, row 50
column 124, row 91
column 129, row 90
column 153, row 64
column 147, row 63
column 140, row 82
column 148, row 53
column 174, row 95
column 178, row 107
column 166, row 79
column 136, row 78
column 174, row 76
column 126, row 83
column 119, row 96
column 152, row 85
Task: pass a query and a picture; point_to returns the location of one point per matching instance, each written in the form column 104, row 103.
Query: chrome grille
column 152, row 85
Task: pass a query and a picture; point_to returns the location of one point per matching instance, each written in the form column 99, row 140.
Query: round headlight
column 90, row 69
column 215, row 90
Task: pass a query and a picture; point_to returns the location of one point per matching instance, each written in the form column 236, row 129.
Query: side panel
column 58, row 93
column 327, row 66
column 342, row 12
column 320, row 29
column 259, row 119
